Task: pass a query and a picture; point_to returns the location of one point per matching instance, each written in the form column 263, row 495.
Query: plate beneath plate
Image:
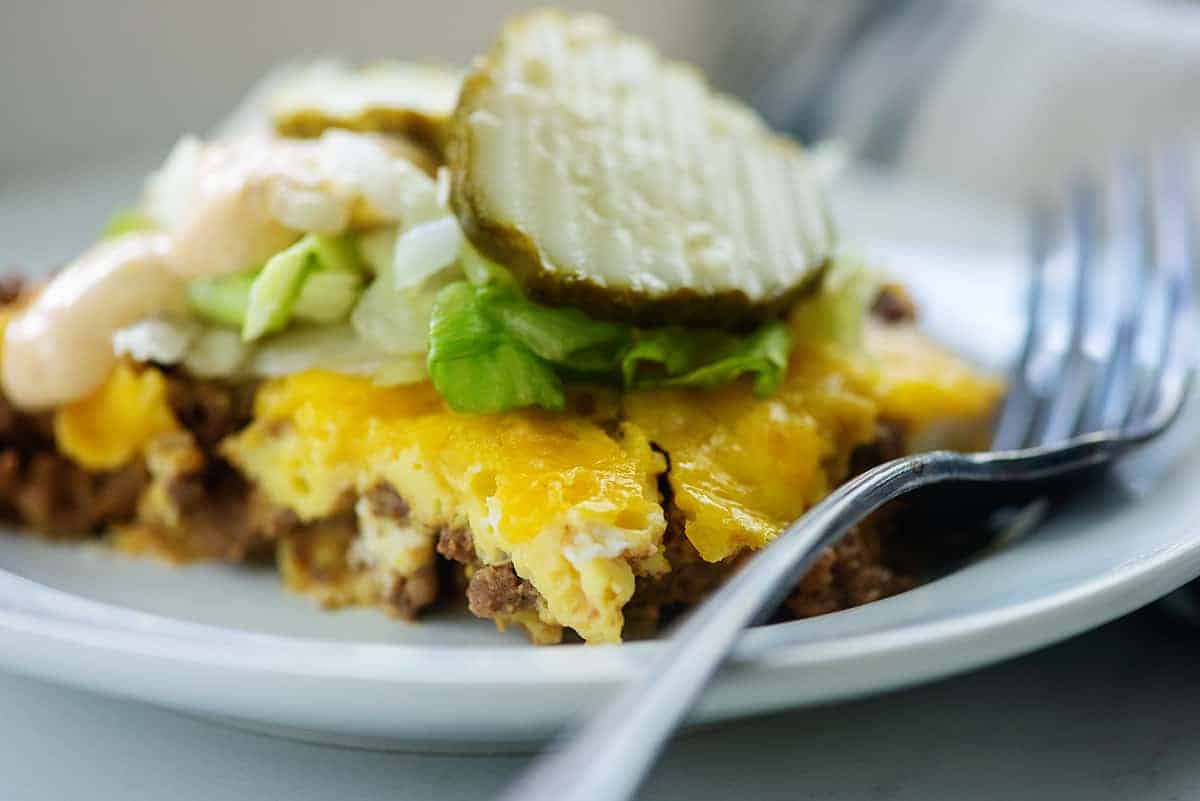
column 228, row 643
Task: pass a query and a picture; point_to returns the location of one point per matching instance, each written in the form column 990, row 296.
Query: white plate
column 228, row 643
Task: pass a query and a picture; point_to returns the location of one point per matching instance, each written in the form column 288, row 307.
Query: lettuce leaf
column 492, row 349
column 566, row 337
column 392, row 314
column 479, row 367
column 679, row 357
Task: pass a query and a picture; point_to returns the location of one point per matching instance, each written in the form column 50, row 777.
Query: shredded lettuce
column 277, row 289
column 481, row 270
column 126, row 221
column 436, row 306
column 376, row 248
column 424, row 250
column 396, row 320
column 317, row 280
column 327, row 296
column 477, row 365
column 492, row 349
column 565, row 337
column 216, row 353
column 221, row 299
column 156, row 340
column 327, row 347
column 410, row 267
column 678, row 357
column 408, row 368
column 837, row 311
column 204, row 351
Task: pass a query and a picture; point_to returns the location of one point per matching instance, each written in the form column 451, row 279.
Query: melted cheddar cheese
column 742, row 468
column 113, row 425
column 575, row 509
column 573, row 504
column 939, row 400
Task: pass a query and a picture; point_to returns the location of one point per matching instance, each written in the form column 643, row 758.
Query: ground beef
column 317, row 559
column 851, row 573
column 456, row 544
column 216, row 514
column 48, row 492
column 886, row 445
column 893, row 304
column 384, row 501
column 210, row 410
column 210, row 510
column 863, row 567
column 11, row 289
column 498, row 590
column 410, row 594
column 59, row 498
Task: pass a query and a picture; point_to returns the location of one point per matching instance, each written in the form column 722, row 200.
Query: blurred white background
column 1000, row 97
column 83, row 79
column 997, row 97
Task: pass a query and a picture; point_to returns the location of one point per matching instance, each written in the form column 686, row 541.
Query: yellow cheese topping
column 575, row 505
column 575, row 508
column 743, row 468
column 114, row 424
column 920, row 383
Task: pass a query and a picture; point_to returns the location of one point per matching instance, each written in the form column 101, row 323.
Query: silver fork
column 1066, row 411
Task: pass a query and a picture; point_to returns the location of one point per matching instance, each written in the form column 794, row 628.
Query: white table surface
column 1109, row 715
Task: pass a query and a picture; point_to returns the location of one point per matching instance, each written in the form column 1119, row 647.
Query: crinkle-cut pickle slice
column 415, row 101
column 607, row 177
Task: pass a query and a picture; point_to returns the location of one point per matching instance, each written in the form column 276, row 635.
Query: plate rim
column 773, row 647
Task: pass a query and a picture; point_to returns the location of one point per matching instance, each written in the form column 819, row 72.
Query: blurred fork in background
column 1006, row 98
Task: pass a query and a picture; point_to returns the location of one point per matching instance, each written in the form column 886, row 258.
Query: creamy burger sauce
column 223, row 207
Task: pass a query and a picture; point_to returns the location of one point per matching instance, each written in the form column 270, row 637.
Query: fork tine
column 1174, row 363
column 1113, row 395
column 1074, row 375
column 1019, row 411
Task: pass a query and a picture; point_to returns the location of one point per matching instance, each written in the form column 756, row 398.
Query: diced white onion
column 155, row 340
column 216, row 353
column 425, row 249
column 401, row 370
column 377, row 248
column 335, row 348
column 301, row 208
column 392, row 320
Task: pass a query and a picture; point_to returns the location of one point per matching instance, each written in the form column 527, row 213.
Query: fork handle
column 608, row 759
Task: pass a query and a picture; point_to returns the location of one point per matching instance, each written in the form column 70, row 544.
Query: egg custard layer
column 574, row 504
column 574, row 508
